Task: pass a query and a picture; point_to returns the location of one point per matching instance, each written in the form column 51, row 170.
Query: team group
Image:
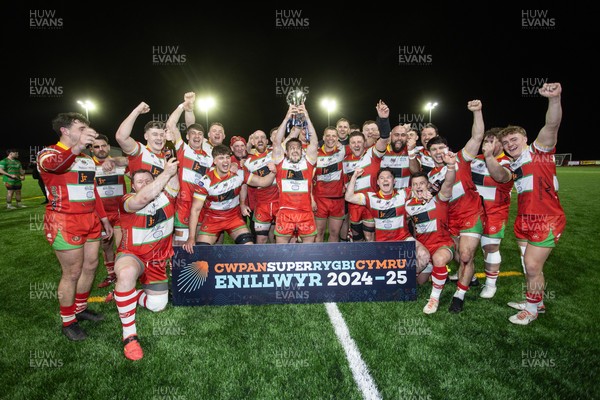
column 375, row 184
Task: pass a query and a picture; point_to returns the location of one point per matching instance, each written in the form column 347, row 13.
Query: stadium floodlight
column 329, row 105
column 429, row 107
column 87, row 105
column 205, row 104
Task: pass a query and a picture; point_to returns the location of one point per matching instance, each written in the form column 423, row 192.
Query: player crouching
column 147, row 224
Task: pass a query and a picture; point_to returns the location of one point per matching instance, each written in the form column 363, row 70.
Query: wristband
column 180, row 106
column 412, row 152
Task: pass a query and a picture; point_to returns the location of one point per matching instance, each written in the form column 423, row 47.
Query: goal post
column 562, row 159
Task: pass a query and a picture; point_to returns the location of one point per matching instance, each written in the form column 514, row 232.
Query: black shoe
column 89, row 315
column 74, row 332
column 456, row 306
column 474, row 282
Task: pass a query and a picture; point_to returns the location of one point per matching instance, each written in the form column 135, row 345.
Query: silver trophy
column 296, row 98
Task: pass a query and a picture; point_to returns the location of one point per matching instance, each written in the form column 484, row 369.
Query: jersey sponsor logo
column 264, row 171
column 199, row 168
column 294, row 175
column 384, row 214
column 155, row 171
column 85, row 176
column 517, row 173
column 229, row 195
column 420, row 217
column 107, row 180
column 331, row 169
column 477, row 178
column 153, row 220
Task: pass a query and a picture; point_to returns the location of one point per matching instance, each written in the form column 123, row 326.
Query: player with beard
column 265, row 200
column 194, row 162
column 110, row 183
column 397, row 154
column 362, row 223
column 295, row 168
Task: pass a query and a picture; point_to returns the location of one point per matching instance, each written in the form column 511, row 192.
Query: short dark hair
column 140, row 171
column 492, row 132
column 430, row 125
column 436, row 140
column 154, row 124
column 65, row 120
column 356, row 133
column 385, row 169
column 420, row 174
column 292, row 140
column 8, row 151
column 102, row 137
column 221, row 150
column 197, row 127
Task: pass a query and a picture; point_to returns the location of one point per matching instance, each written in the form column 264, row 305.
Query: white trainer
column 520, row 305
column 431, row 306
column 523, row 318
column 10, row 207
column 488, row 292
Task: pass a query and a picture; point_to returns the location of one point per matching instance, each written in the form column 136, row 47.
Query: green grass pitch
column 291, row 351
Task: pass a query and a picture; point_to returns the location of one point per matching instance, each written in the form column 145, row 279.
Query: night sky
column 248, row 57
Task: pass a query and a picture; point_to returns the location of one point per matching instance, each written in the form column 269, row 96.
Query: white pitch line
column 360, row 371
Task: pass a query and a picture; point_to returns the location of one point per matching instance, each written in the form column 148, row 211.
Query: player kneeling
column 147, row 223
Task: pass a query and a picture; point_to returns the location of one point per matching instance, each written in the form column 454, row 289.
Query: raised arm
column 383, row 120
column 189, row 102
column 414, row 165
column 498, row 172
column 149, row 192
column 278, row 150
column 123, row 134
column 350, row 196
column 548, row 135
column 313, row 142
column 477, row 130
column 445, row 192
column 58, row 161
